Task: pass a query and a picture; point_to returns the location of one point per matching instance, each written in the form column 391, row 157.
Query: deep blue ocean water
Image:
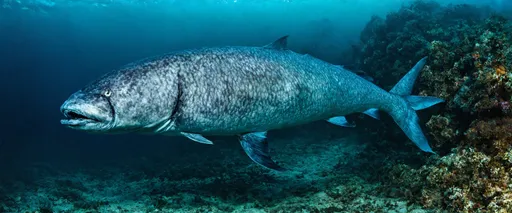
column 49, row 49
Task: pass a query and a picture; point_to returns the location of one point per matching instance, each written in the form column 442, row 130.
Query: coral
column 447, row 35
column 470, row 62
column 474, row 178
column 441, row 128
column 466, row 53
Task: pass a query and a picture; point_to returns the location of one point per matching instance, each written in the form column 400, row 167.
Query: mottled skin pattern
column 236, row 90
column 226, row 91
column 232, row 90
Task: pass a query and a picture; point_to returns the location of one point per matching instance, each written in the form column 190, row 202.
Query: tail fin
column 403, row 110
column 405, row 85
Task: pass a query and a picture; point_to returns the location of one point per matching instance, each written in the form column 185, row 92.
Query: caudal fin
column 403, row 109
column 405, row 85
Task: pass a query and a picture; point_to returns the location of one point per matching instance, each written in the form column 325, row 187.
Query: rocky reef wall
column 470, row 66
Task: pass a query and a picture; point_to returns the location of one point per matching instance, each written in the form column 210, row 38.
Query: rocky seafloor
column 470, row 66
column 371, row 168
column 330, row 171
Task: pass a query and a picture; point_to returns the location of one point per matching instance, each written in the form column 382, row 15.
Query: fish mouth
column 75, row 118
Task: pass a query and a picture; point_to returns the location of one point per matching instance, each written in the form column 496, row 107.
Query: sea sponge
column 500, row 70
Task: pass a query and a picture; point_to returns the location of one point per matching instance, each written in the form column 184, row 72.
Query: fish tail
column 403, row 107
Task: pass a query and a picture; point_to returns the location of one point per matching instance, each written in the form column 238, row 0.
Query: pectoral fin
column 255, row 146
column 374, row 113
column 340, row 121
column 197, row 138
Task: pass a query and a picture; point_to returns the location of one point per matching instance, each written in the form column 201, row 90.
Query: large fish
column 242, row 91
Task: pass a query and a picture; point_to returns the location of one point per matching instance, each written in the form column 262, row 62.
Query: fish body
column 243, row 91
column 233, row 90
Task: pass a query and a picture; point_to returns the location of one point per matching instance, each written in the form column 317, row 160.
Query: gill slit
column 112, row 111
column 174, row 117
column 177, row 105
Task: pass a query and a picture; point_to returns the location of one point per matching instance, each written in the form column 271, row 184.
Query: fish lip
column 75, row 118
column 75, row 122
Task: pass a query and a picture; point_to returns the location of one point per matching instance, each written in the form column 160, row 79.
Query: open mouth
column 76, row 118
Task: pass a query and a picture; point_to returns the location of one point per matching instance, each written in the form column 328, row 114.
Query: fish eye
column 107, row 93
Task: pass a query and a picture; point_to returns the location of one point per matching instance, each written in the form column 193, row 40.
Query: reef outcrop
column 470, row 66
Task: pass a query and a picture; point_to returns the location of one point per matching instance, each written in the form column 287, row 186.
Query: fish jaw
column 87, row 112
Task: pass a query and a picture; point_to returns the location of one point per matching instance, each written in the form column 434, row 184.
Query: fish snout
column 86, row 112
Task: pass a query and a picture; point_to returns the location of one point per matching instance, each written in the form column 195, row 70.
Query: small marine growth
column 470, row 66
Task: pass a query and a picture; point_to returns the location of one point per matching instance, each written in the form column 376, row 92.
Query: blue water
column 49, row 49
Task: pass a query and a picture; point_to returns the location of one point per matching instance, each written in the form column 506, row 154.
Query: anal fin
column 255, row 146
column 197, row 138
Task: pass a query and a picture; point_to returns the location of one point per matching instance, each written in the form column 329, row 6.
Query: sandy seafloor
column 327, row 175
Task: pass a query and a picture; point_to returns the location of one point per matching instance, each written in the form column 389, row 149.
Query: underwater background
column 50, row 49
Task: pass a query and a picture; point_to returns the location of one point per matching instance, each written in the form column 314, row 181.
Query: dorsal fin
column 279, row 44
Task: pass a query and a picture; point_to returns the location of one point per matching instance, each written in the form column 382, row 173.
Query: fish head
column 134, row 98
column 87, row 111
